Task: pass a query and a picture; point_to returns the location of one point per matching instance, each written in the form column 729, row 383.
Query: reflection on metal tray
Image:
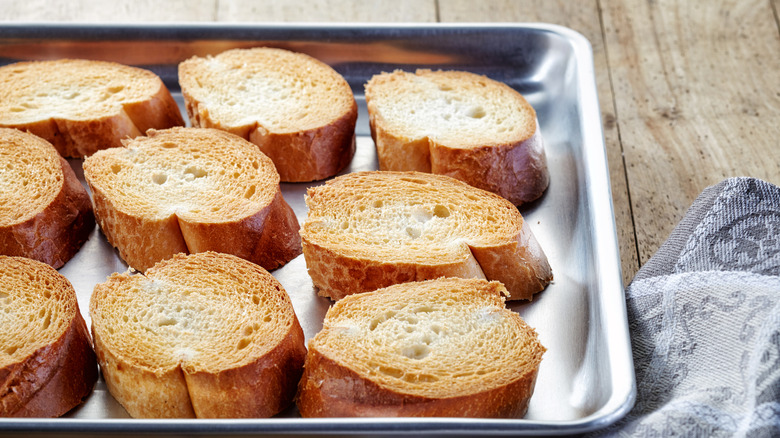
column 586, row 379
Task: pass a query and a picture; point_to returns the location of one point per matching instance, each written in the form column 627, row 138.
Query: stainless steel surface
column 586, row 379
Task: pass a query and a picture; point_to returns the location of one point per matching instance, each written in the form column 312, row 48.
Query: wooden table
column 689, row 89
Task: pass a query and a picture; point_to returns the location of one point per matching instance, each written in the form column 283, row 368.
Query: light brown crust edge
column 81, row 138
column 260, row 389
column 56, row 234
column 328, row 389
column 304, row 156
column 336, row 275
column 517, row 172
column 268, row 238
column 62, row 373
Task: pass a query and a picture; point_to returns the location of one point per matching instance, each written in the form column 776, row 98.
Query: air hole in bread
column 11, row 350
column 243, row 343
column 378, row 203
column 166, row 321
column 267, row 318
column 445, row 87
column 344, row 225
column 415, row 181
column 47, row 321
column 116, row 168
column 17, row 109
column 416, row 352
column 414, row 233
column 390, row 371
column 255, row 164
column 476, row 112
column 250, row 191
column 441, row 211
column 116, row 88
column 159, row 178
column 195, row 171
column 248, row 330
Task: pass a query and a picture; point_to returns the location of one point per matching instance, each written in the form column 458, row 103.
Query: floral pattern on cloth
column 704, row 316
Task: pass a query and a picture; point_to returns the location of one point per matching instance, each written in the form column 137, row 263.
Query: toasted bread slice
column 200, row 335
column 47, row 366
column 296, row 109
column 81, row 106
column 191, row 190
column 447, row 347
column 45, row 212
column 367, row 230
column 459, row 124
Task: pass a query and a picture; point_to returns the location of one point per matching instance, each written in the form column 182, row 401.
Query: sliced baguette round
column 47, row 366
column 191, row 190
column 367, row 230
column 205, row 335
column 45, row 212
column 447, row 347
column 81, row 106
column 297, row 110
column 459, row 124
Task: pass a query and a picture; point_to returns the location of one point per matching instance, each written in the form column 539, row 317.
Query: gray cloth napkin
column 704, row 316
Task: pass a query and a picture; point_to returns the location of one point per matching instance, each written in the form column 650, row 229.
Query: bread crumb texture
column 30, row 176
column 201, row 175
column 455, row 108
column 71, row 89
column 367, row 230
column 204, row 312
column 37, row 305
column 425, row 342
column 213, row 327
column 279, row 90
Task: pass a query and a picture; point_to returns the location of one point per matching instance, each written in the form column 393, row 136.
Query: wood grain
column 327, row 10
column 697, row 94
column 107, row 11
column 582, row 16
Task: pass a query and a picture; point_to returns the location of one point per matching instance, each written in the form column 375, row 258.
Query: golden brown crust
column 445, row 347
column 264, row 231
column 47, row 365
column 328, row 389
column 56, row 233
column 313, row 154
column 65, row 373
column 517, row 171
column 513, row 166
column 243, row 349
column 305, row 118
column 78, row 131
column 352, row 246
column 279, row 371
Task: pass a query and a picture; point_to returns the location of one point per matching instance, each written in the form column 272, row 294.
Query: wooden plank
column 582, row 16
column 327, row 10
column 697, row 93
column 107, row 11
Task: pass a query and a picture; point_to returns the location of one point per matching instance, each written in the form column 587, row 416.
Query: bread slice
column 445, row 347
column 201, row 335
column 47, row 366
column 459, row 124
column 191, row 190
column 45, row 212
column 81, row 106
column 367, row 230
column 296, row 109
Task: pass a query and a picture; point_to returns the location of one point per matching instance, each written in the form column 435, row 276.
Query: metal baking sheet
column 586, row 380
